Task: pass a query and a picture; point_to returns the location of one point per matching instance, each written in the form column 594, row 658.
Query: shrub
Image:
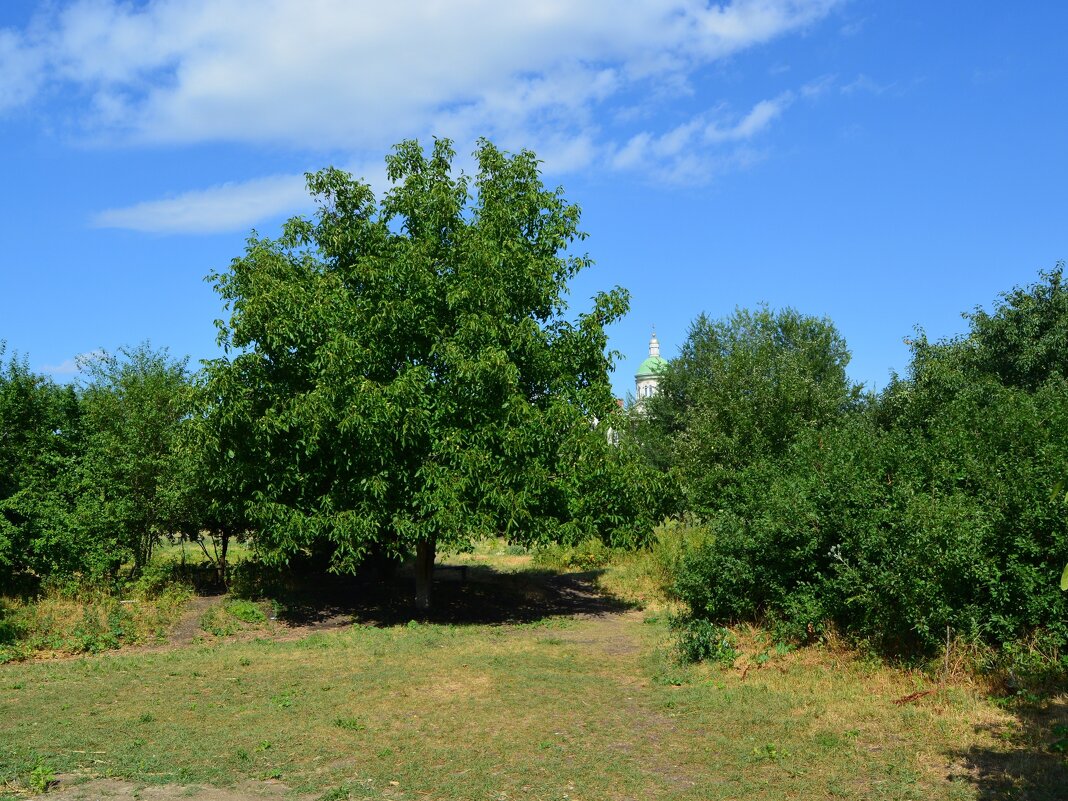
column 924, row 510
column 589, row 554
column 700, row 640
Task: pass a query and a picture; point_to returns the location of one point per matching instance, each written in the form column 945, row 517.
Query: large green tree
column 741, row 390
column 133, row 473
column 402, row 374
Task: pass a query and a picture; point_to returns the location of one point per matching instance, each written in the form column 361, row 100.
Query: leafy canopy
column 403, row 370
column 740, row 391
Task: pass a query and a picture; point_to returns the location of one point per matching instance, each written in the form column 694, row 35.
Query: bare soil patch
column 118, row 790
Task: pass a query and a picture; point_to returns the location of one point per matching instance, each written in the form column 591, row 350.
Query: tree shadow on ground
column 468, row 595
column 1028, row 765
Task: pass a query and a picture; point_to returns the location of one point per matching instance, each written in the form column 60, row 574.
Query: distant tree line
column 933, row 507
column 401, row 374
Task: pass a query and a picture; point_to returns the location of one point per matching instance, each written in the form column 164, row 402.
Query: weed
column 41, row 778
column 769, row 752
column 246, row 611
column 700, row 640
column 586, row 555
column 214, row 621
column 337, row 794
column 1060, row 746
column 350, row 724
column 282, row 700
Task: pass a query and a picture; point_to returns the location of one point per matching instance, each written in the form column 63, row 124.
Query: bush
column 924, row 510
column 589, row 554
column 700, row 640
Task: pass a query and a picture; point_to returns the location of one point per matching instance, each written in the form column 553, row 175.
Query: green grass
column 576, row 708
column 599, row 709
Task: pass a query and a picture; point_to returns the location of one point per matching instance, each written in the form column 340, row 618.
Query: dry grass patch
column 60, row 625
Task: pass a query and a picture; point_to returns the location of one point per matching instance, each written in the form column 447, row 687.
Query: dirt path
column 118, row 790
column 188, row 627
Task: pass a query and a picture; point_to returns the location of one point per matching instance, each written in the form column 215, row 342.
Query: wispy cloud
column 757, row 120
column 683, row 155
column 21, row 65
column 226, row 207
column 73, row 365
column 355, row 77
column 863, row 83
column 230, row 206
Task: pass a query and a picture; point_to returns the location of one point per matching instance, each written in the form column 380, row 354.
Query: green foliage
column 350, row 724
column 41, row 778
column 132, row 477
column 741, row 390
column 700, row 640
column 246, row 611
column 1021, row 345
column 238, row 614
column 403, row 371
column 39, row 440
column 925, row 509
column 92, row 476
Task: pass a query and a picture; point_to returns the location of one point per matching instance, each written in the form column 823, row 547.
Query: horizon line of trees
column 935, row 507
column 401, row 374
column 937, row 503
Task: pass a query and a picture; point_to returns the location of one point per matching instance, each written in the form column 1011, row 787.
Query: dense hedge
column 927, row 507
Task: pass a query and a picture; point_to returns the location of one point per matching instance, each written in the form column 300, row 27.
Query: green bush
column 589, row 554
column 924, row 511
column 700, row 640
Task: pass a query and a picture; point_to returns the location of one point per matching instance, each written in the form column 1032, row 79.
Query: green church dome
column 653, row 365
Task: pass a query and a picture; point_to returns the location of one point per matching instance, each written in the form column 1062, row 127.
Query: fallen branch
column 908, row 699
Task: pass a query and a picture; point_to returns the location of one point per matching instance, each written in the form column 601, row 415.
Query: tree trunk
column 424, row 572
column 224, row 535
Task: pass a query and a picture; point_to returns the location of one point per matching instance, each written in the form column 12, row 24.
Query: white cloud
column 227, row 207
column 338, row 73
column 355, row 77
column 757, row 120
column 863, row 83
column 73, row 365
column 231, row 206
column 20, row 70
column 681, row 155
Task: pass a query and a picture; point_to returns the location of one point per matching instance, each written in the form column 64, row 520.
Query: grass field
column 560, row 695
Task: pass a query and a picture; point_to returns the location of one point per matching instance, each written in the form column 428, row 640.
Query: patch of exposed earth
column 119, row 790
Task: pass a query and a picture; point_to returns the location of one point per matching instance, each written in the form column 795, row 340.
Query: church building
column 647, row 379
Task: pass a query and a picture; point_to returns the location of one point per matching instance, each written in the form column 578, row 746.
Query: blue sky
column 886, row 164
